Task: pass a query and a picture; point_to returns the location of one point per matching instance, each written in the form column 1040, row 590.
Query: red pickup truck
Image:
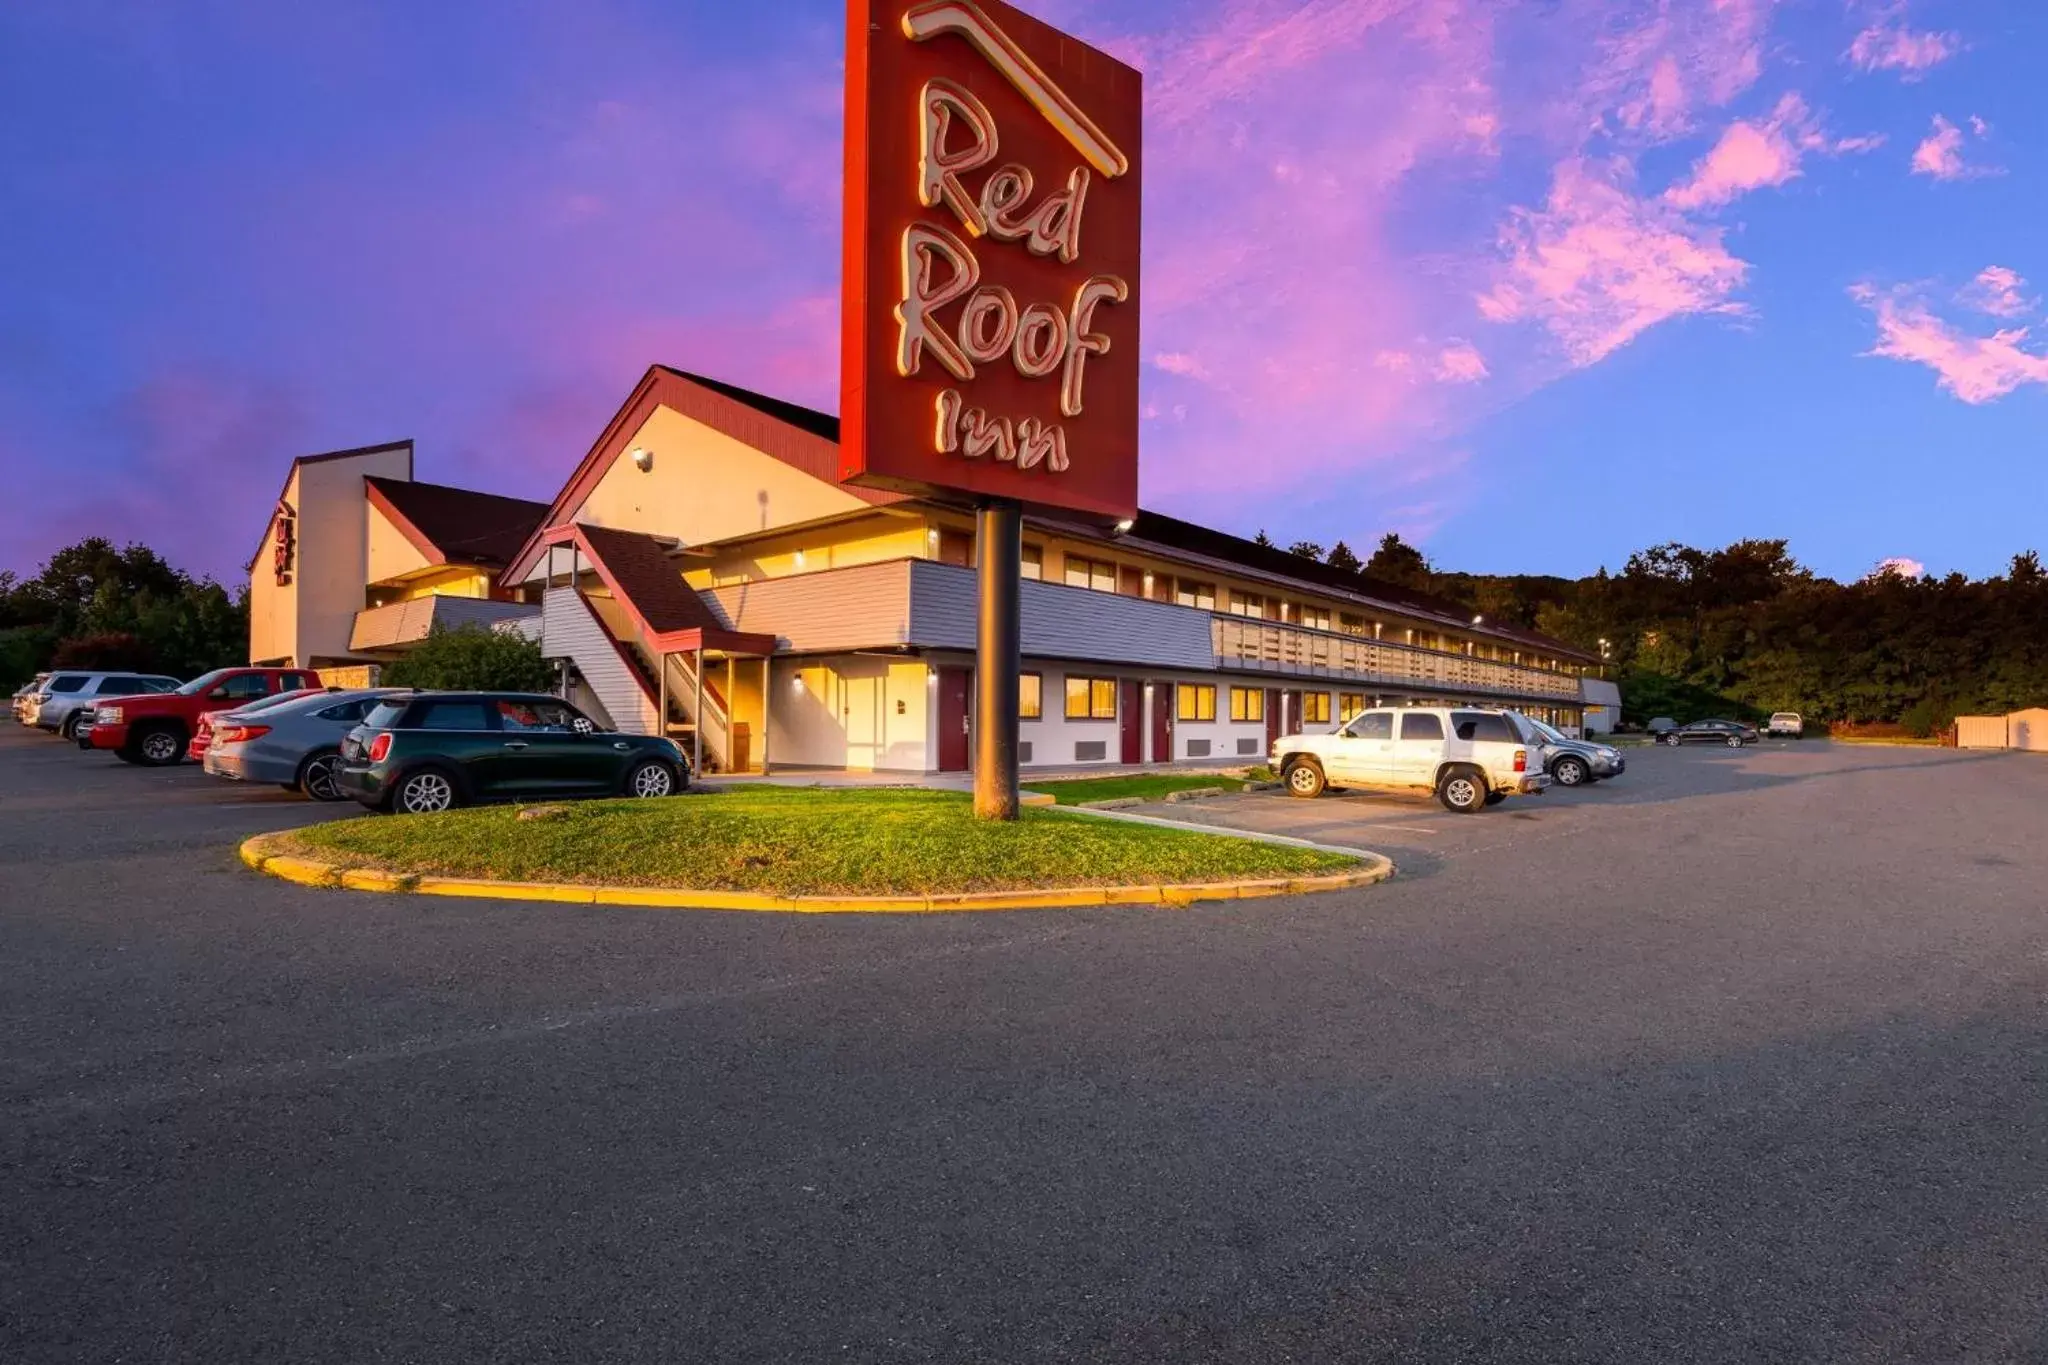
column 153, row 729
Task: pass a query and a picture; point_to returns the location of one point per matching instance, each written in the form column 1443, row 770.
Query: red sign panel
column 989, row 343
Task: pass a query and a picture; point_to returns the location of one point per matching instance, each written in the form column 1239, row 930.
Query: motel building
column 703, row 574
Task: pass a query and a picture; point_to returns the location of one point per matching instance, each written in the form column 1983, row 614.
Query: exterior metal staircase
column 625, row 678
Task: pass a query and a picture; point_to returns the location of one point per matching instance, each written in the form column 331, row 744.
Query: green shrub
column 472, row 658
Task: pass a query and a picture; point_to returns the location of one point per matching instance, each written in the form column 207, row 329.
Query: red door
column 953, row 719
column 1162, row 722
column 1130, row 719
column 1272, row 716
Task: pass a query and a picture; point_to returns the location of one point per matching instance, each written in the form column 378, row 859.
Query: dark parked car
column 418, row 752
column 1732, row 733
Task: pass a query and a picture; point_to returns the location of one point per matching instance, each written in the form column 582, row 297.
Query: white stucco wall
column 853, row 712
column 702, row 485
column 310, row 618
column 875, row 714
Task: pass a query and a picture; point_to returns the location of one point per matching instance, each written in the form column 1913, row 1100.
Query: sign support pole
column 999, row 552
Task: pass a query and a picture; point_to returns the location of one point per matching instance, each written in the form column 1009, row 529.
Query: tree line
column 1746, row 630
column 92, row 606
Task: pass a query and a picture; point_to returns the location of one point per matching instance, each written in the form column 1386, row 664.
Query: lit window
column 1352, row 625
column 1315, row 618
column 1030, row 704
column 1097, row 574
column 1247, row 604
column 1247, row 703
column 1192, row 594
column 1315, row 708
column 1349, row 704
column 1091, row 698
column 1034, row 562
column 1197, row 701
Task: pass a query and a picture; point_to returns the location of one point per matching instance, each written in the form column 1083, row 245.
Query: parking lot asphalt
column 1740, row 1058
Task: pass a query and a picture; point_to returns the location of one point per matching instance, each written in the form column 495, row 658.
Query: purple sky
column 1536, row 284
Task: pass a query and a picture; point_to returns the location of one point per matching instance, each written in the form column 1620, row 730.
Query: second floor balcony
column 924, row 604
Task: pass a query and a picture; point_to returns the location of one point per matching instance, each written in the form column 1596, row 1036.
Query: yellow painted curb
column 305, row 872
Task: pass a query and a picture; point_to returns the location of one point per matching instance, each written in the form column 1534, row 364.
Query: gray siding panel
column 1062, row 622
column 570, row 630
column 865, row 607
column 403, row 623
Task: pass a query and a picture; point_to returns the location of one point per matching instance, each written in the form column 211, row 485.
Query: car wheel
column 425, row 791
column 1672, row 740
column 651, row 778
column 1570, row 772
column 317, row 776
column 1305, row 779
column 1463, row 791
column 1735, row 741
column 71, row 724
column 160, row 746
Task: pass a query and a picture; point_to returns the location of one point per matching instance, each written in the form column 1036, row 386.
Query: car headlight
column 108, row 715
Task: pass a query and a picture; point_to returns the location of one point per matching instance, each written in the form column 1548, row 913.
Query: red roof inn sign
column 990, row 334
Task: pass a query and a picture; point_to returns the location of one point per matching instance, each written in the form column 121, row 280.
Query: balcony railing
column 1242, row 642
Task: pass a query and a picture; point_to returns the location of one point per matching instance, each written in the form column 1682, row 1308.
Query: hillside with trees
column 1746, row 629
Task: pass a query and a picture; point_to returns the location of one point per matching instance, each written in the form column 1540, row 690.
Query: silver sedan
column 295, row 745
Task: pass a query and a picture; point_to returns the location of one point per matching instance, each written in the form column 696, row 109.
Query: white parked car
column 1468, row 757
column 1785, row 723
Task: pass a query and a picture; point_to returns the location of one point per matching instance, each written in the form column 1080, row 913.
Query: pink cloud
column 1974, row 369
column 1940, row 153
column 1460, row 363
column 1180, row 363
column 1274, row 276
column 1901, row 567
column 1652, row 76
column 1597, row 266
column 1749, row 156
column 1894, row 47
column 1996, row 291
column 1752, row 156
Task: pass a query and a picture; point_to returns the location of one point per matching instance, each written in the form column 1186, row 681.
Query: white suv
column 1786, row 723
column 1470, row 758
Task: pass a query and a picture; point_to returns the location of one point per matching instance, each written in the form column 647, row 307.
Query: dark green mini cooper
column 418, row 752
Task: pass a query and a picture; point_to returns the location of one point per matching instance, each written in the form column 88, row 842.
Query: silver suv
column 66, row 698
column 1573, row 762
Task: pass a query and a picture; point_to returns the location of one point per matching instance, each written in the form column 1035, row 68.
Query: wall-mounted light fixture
column 1123, row 528
column 643, row 459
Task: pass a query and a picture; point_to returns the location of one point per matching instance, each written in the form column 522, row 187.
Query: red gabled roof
column 455, row 525
column 800, row 437
column 636, row 567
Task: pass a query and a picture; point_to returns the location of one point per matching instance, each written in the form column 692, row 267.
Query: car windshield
column 1554, row 736
column 202, row 683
